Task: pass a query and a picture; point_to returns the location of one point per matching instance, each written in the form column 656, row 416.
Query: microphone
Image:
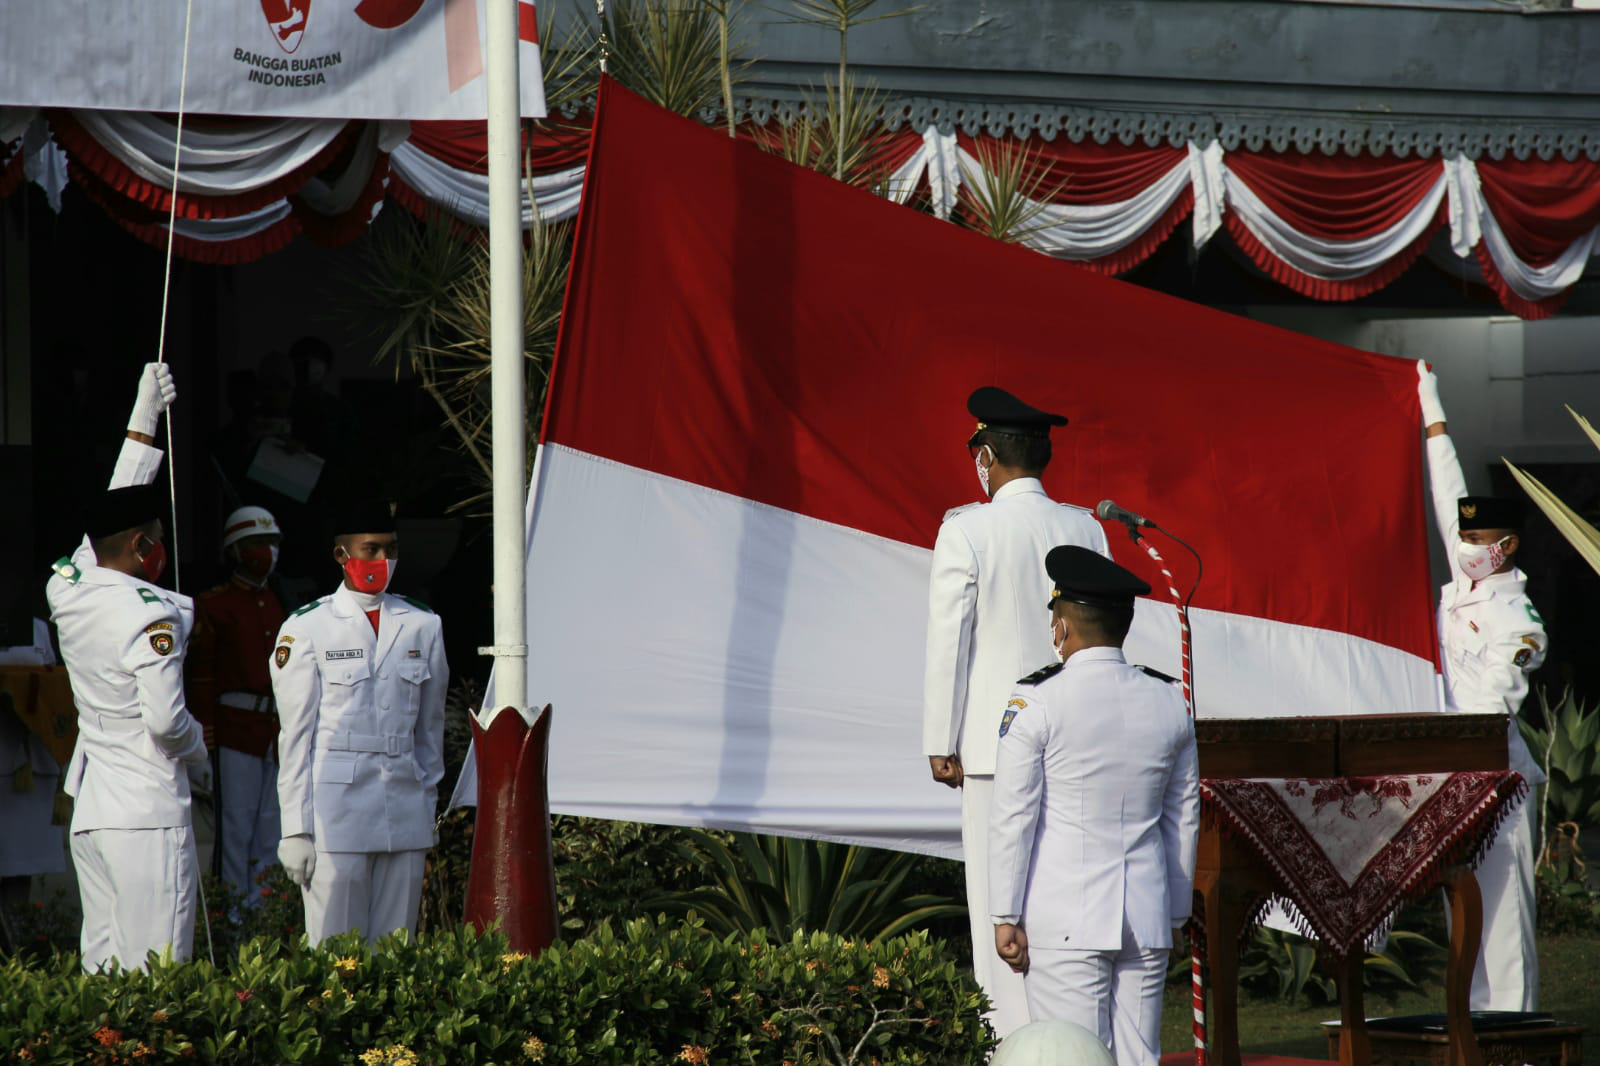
column 1110, row 512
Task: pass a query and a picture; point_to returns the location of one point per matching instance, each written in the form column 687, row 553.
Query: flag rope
column 1196, row 933
column 161, row 357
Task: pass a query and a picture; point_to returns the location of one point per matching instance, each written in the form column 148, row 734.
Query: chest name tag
column 347, row 653
column 414, row 653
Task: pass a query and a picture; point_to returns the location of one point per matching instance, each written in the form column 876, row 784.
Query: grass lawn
column 1569, row 977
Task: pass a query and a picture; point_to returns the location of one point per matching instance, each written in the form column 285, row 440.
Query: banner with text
column 345, row 59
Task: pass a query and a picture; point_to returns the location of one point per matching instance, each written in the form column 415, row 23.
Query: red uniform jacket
column 235, row 626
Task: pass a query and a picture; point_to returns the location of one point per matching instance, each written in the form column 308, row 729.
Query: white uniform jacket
column 361, row 741
column 122, row 641
column 1490, row 634
column 987, row 620
column 1096, row 811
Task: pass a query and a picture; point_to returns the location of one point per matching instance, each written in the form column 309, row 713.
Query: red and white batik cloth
column 1347, row 851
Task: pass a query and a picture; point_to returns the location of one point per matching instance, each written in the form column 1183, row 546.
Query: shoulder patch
column 307, row 609
column 1013, row 705
column 958, row 510
column 66, row 570
column 281, row 656
column 161, row 643
column 418, row 604
column 1043, row 674
column 1522, row 657
column 1157, row 674
column 148, row 596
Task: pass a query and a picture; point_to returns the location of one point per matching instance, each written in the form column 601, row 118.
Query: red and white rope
column 1196, row 941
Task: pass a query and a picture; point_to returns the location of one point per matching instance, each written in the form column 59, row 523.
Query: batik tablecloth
column 1345, row 852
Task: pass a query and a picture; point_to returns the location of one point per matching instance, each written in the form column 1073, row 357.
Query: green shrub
column 655, row 992
column 790, row 884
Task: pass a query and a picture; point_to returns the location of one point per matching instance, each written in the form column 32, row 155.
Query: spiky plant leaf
column 1007, row 192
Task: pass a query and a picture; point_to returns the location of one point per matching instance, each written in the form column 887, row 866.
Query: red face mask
column 369, row 575
column 154, row 561
column 259, row 559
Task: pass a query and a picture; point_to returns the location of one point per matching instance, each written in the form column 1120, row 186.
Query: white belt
column 364, row 742
column 248, row 701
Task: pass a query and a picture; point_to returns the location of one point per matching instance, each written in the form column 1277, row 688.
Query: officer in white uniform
column 1095, row 820
column 1490, row 638
column 122, row 639
column 360, row 679
column 30, row 842
column 984, row 632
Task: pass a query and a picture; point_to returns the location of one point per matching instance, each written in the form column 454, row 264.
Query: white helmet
column 248, row 522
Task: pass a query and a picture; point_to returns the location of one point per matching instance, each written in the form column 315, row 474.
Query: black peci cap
column 362, row 516
column 1489, row 512
column 1000, row 412
column 117, row 510
column 1084, row 576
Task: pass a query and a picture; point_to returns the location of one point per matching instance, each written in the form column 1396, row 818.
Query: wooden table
column 1230, row 879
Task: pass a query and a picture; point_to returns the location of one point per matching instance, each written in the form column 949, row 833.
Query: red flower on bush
column 106, row 1036
column 244, row 994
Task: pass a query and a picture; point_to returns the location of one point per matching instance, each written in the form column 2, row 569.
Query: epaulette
column 308, row 608
column 1086, row 510
column 1157, row 674
column 957, row 510
column 66, row 569
column 1042, row 674
column 150, row 596
column 418, row 604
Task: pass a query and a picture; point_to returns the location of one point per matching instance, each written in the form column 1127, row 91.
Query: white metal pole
column 507, row 376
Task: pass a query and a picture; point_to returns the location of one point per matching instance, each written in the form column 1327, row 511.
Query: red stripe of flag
column 527, row 22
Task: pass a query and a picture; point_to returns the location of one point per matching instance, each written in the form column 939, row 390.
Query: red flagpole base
column 513, row 877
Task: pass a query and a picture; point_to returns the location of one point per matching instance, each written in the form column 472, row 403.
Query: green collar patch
column 66, row 569
column 418, row 604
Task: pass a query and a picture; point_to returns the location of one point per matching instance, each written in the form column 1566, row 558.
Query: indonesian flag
column 757, row 421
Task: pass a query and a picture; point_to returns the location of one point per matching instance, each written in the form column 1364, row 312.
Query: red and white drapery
column 1328, row 227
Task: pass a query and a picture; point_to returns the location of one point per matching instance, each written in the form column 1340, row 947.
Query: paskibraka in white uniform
column 361, row 755
column 1490, row 637
column 988, row 626
column 1094, row 829
column 123, row 640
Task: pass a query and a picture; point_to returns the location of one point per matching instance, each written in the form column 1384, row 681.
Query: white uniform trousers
column 1003, row 985
column 1114, row 994
column 373, row 892
column 1506, row 976
column 137, row 887
column 249, row 819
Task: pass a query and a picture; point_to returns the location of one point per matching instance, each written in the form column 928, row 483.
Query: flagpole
column 507, row 379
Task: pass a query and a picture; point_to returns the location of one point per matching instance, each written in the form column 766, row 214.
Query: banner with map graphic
column 341, row 59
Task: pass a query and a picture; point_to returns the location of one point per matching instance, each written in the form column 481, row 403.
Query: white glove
column 156, row 393
column 1428, row 393
column 200, row 776
column 299, row 858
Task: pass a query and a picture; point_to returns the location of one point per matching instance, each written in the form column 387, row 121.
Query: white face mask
column 1056, row 644
column 1478, row 561
column 983, row 471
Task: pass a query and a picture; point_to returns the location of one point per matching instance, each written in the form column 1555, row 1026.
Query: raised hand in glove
column 1428, row 394
column 299, row 858
column 156, row 393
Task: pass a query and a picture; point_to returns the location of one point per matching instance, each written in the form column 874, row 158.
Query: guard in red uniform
column 228, row 687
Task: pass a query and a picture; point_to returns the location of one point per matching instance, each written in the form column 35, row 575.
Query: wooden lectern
column 1230, row 879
